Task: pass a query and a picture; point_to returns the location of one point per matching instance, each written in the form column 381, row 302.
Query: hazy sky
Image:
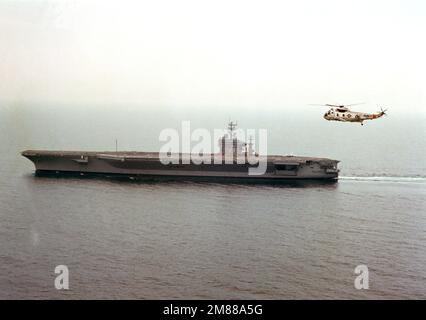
column 241, row 54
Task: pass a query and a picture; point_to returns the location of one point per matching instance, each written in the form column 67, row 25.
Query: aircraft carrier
column 233, row 163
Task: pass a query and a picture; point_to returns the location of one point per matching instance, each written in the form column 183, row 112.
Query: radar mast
column 231, row 127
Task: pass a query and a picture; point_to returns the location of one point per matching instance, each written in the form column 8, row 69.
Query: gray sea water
column 203, row 240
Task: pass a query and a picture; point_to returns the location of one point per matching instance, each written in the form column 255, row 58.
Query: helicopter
column 342, row 113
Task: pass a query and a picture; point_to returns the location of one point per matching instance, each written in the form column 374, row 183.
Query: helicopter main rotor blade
column 354, row 104
column 337, row 105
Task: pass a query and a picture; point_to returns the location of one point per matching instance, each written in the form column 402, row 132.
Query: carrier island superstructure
column 225, row 165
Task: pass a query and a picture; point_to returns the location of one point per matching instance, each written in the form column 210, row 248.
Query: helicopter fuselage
column 346, row 115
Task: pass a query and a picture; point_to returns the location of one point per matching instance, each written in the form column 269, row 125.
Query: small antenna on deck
column 116, row 145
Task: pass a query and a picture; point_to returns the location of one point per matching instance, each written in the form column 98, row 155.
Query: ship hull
column 147, row 166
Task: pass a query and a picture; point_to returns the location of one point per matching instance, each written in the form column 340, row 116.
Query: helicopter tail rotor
column 383, row 112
